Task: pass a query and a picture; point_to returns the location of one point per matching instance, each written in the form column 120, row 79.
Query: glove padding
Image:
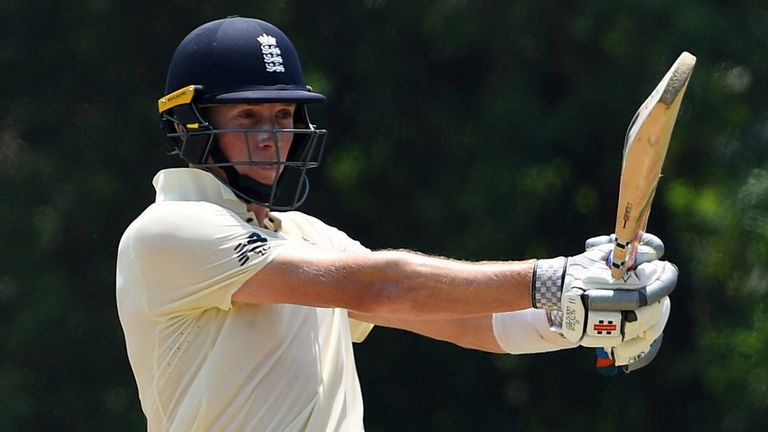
column 642, row 338
column 549, row 275
column 599, row 311
column 587, row 304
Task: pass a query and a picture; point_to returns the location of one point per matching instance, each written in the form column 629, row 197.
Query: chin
column 265, row 175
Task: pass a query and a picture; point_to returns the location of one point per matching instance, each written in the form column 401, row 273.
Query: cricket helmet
column 240, row 60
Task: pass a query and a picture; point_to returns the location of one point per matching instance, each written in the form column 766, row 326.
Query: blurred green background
column 471, row 129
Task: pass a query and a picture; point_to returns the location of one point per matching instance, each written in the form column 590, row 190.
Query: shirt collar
column 273, row 222
column 192, row 184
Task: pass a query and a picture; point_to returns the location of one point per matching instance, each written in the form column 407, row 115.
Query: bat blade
column 645, row 148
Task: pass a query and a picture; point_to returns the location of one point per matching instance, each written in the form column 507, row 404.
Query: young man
column 240, row 315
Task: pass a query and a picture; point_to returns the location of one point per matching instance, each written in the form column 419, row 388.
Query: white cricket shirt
column 202, row 363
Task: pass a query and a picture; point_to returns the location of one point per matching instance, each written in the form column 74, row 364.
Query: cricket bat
column 645, row 147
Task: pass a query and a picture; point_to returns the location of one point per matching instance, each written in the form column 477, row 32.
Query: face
column 261, row 146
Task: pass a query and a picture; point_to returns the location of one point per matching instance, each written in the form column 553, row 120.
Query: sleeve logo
column 255, row 243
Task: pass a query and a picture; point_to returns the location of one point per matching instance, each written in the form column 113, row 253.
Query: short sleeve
column 191, row 256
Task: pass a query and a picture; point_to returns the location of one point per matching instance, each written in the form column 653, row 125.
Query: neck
column 259, row 211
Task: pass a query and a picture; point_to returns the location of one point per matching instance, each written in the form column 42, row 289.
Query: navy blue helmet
column 240, row 60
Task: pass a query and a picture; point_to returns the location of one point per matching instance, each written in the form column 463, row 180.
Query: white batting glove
column 584, row 301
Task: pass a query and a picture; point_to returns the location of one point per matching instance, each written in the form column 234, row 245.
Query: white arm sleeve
column 527, row 331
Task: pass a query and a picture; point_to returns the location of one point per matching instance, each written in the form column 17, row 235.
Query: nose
column 265, row 138
column 268, row 142
column 266, row 135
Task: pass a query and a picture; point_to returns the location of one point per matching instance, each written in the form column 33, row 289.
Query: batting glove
column 587, row 305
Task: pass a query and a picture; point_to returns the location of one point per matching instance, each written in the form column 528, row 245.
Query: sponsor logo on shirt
column 255, row 243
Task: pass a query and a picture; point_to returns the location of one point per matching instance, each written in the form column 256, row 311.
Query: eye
column 284, row 116
column 246, row 114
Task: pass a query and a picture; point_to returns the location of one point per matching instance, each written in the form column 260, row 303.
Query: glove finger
column 636, row 322
column 661, row 277
column 657, row 329
column 642, row 359
column 610, row 299
column 625, row 352
column 651, row 248
column 647, row 253
column 599, row 240
column 650, row 283
column 649, row 321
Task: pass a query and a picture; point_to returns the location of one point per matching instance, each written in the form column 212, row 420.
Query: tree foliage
column 472, row 129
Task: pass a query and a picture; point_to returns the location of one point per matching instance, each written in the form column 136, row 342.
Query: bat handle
column 605, row 365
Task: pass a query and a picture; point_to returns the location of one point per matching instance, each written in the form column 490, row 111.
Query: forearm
column 391, row 283
column 421, row 285
column 474, row 332
column 517, row 332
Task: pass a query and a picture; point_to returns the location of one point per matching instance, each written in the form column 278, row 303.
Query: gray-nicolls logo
column 254, row 243
column 272, row 58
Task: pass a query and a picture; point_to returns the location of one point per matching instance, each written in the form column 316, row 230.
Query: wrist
column 555, row 319
column 547, row 283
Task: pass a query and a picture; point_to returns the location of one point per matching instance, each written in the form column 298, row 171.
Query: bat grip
column 604, row 364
